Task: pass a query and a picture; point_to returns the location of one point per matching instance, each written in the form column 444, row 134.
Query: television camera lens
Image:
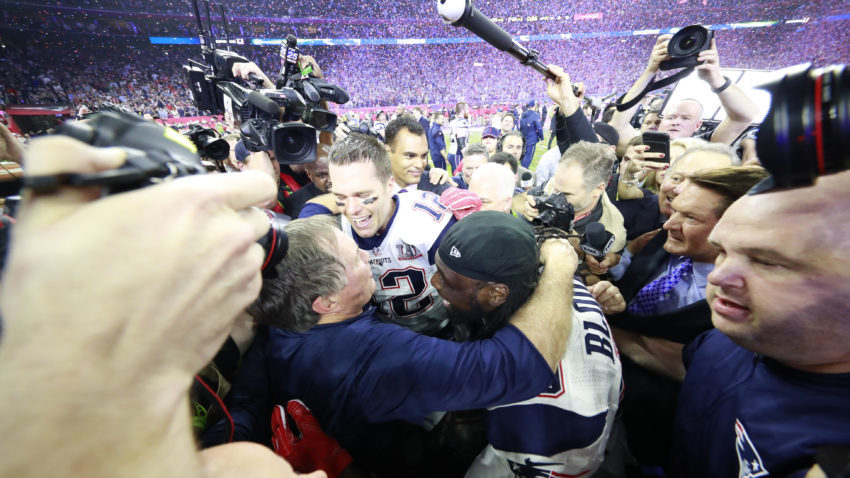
column 806, row 132
column 294, row 143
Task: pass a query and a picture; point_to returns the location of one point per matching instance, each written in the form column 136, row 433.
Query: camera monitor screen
column 692, row 87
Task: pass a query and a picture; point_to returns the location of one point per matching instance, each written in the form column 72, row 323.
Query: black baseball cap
column 491, row 246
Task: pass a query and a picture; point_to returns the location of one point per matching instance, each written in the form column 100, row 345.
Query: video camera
column 313, row 90
column 207, row 141
column 277, row 120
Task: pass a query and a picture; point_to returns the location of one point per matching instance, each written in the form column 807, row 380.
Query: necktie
column 647, row 298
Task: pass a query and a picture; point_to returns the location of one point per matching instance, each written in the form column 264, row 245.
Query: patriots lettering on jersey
column 379, row 261
column 529, row 470
column 749, row 460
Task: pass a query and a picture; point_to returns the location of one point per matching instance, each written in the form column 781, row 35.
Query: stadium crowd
column 50, row 68
column 630, row 304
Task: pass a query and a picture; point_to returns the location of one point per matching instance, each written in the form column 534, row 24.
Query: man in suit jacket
column 417, row 113
column 662, row 295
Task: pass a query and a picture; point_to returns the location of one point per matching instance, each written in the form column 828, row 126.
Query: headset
column 510, row 133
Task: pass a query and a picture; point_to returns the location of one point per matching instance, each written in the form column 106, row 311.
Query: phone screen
column 658, row 143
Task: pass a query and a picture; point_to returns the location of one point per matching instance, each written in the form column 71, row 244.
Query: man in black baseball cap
column 487, row 266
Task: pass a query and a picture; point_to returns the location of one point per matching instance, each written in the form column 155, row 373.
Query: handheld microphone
column 526, row 180
column 596, row 240
column 462, row 13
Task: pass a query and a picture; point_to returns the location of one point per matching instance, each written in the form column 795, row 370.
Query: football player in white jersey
column 400, row 232
column 564, row 430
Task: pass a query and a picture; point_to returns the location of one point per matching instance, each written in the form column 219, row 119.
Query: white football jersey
column 563, row 431
column 459, row 128
column 403, row 263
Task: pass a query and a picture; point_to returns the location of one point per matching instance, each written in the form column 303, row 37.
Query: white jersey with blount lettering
column 402, row 261
column 564, row 430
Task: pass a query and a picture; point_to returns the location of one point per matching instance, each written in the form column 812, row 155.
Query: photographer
column 582, row 176
column 685, row 118
column 101, row 337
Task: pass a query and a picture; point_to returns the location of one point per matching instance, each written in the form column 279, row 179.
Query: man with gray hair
column 582, row 176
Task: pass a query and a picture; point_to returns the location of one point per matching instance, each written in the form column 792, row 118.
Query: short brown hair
column 730, row 183
column 361, row 148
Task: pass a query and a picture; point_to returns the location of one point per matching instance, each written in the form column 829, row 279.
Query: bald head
column 494, row 184
column 683, row 120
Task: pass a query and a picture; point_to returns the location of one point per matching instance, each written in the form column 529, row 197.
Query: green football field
column 475, row 137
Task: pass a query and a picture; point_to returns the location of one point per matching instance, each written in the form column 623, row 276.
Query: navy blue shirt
column 735, row 403
column 358, row 374
column 531, row 127
column 436, row 144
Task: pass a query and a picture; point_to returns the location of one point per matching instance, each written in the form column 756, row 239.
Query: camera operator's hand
column 598, row 267
column 341, row 132
column 11, row 149
column 440, row 176
column 306, row 60
column 524, row 205
column 138, row 295
column 709, row 68
column 165, row 269
column 561, row 91
column 245, row 70
column 659, row 53
column 608, row 296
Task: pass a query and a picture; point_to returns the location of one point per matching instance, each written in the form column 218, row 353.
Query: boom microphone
column 462, row 13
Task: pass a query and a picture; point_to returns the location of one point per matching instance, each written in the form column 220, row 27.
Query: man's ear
column 496, row 294
column 598, row 191
column 323, row 305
